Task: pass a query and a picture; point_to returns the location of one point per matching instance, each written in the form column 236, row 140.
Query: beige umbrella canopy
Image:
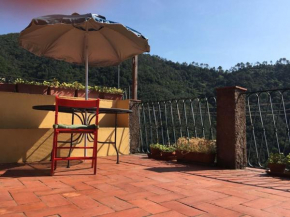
column 87, row 39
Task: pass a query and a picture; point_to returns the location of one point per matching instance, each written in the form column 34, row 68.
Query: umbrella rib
column 127, row 36
column 111, row 46
column 43, row 53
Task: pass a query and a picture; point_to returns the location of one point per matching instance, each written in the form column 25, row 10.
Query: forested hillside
column 158, row 77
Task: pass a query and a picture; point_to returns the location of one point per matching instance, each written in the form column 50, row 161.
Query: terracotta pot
column 32, row 89
column 110, row 96
column 60, row 91
column 276, row 168
column 168, row 155
column 155, row 153
column 8, row 87
column 92, row 94
column 199, row 157
column 180, row 155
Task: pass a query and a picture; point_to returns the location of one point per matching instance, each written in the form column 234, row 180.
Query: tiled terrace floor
column 140, row 187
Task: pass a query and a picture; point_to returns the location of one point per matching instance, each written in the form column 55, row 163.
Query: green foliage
column 158, row 78
column 277, row 158
column 200, row 145
column 163, row 148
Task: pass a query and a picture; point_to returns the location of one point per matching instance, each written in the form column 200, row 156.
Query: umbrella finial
column 75, row 13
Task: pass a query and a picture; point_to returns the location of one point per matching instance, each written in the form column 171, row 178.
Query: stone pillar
column 134, row 127
column 231, row 128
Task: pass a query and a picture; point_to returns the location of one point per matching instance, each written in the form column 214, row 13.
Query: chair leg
column 95, row 152
column 53, row 154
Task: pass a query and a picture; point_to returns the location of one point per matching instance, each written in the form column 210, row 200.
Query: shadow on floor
column 33, row 169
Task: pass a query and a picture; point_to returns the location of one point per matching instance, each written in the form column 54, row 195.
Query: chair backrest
column 76, row 104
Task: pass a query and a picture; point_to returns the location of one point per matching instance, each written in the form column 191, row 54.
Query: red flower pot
column 60, row 91
column 92, row 94
column 32, row 89
column 276, row 168
column 196, row 157
column 155, row 153
column 7, row 87
column 168, row 155
column 110, row 96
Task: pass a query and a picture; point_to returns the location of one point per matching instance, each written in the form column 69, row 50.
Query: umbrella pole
column 87, row 83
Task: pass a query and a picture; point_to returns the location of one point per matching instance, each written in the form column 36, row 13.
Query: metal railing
column 267, row 118
column 165, row 121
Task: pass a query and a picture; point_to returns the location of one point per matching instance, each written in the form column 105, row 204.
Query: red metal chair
column 71, row 129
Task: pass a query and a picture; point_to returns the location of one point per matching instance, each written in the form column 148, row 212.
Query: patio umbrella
column 88, row 39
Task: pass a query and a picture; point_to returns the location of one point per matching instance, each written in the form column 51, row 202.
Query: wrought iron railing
column 268, row 132
column 165, row 121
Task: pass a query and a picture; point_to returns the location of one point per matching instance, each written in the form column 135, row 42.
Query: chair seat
column 76, row 126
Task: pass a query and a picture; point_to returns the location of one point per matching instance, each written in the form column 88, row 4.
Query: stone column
column 231, row 128
column 134, row 127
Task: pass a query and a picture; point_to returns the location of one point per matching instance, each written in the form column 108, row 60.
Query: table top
column 71, row 110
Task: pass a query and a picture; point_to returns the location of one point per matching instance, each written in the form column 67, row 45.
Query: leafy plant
column 200, row 145
column 164, row 148
column 276, row 158
column 156, row 146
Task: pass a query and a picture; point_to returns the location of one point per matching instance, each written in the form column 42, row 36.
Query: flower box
column 277, row 168
column 32, row 89
column 208, row 158
column 155, row 153
column 168, row 155
column 92, row 94
column 60, row 91
column 7, row 87
column 112, row 96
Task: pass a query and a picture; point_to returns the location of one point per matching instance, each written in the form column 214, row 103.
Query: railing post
column 134, row 126
column 231, row 128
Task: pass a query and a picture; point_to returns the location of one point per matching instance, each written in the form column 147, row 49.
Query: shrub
column 193, row 144
column 276, row 158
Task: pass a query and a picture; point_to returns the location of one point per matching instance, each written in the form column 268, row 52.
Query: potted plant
column 196, row 150
column 168, row 152
column 61, row 89
column 5, row 87
column 31, row 87
column 277, row 163
column 112, row 93
column 155, row 151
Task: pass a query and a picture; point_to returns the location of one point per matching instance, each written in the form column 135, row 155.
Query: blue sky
column 216, row 32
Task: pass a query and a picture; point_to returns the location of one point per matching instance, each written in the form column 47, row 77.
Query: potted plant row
column 277, row 163
column 162, row 152
column 196, row 150
column 54, row 87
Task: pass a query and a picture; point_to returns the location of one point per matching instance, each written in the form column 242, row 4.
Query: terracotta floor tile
column 54, row 200
column 253, row 211
column 228, row 201
column 166, row 197
column 216, row 210
column 115, row 203
column 169, row 213
column 278, row 210
column 140, row 187
column 25, row 198
column 134, row 212
column 261, row 203
column 182, row 208
column 84, row 202
column 149, row 206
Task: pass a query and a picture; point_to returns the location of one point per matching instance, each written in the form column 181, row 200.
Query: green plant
column 276, row 158
column 112, row 90
column 156, row 146
column 21, row 81
column 200, row 145
column 165, row 148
